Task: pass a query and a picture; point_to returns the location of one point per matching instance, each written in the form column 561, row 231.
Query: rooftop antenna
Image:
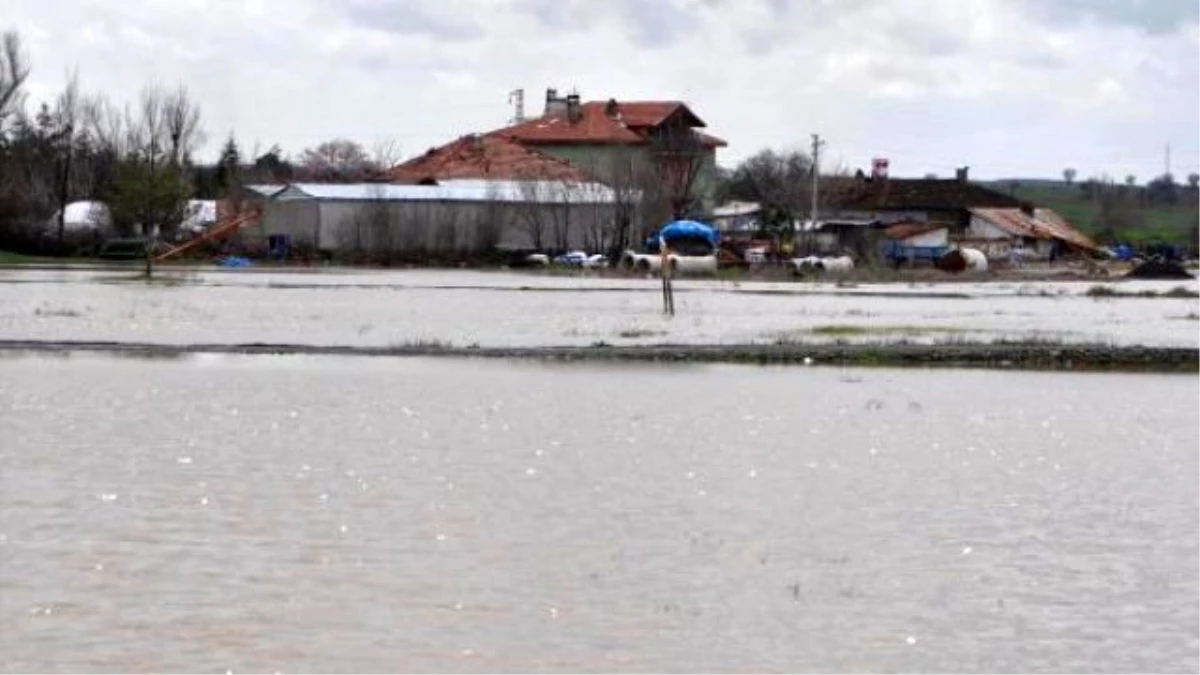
column 516, row 97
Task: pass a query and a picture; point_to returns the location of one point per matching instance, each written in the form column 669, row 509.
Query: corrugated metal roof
column 264, row 189
column 1013, row 221
column 1042, row 224
column 1063, row 229
column 729, row 209
column 467, row 190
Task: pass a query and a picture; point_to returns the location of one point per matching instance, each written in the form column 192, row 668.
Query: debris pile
column 1159, row 268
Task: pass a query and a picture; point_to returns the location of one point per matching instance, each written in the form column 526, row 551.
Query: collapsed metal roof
column 1041, row 224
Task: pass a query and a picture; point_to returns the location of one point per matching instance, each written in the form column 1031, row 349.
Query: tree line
column 137, row 157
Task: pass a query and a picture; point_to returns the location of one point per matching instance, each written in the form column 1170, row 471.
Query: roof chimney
column 879, row 167
column 556, row 106
column 574, row 114
column 961, row 174
column 611, row 110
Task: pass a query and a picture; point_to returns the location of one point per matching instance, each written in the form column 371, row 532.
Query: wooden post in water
column 665, row 270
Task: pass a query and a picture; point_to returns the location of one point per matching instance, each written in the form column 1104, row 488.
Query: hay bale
column 963, row 260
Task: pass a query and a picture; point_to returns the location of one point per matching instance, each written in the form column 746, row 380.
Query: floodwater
column 281, row 513
column 493, row 309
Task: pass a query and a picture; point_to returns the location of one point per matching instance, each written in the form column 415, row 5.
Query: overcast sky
column 1008, row 87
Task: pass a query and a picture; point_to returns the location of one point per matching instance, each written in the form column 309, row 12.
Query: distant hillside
column 1133, row 214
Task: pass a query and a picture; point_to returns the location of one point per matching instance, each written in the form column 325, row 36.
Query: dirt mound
column 1157, row 268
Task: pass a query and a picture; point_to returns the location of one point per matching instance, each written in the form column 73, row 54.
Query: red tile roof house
column 652, row 149
column 614, row 140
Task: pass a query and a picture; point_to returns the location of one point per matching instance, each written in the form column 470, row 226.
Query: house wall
column 994, row 242
column 443, row 227
column 611, row 164
column 928, row 239
column 297, row 219
column 983, row 229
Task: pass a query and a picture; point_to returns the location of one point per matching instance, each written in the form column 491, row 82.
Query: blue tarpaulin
column 233, row 261
column 684, row 229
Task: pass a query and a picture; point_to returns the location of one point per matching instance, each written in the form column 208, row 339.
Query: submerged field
column 283, row 513
column 464, row 309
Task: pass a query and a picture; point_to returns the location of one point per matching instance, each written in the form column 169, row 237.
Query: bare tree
column 677, row 156
column 180, row 126
column 14, row 71
column 490, row 224
column 530, row 210
column 153, row 142
column 67, row 122
column 628, row 179
column 337, row 159
column 1193, row 180
column 782, row 185
column 599, row 224
column 385, row 153
column 1069, row 175
column 561, row 195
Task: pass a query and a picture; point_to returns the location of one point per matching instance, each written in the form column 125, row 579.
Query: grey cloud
column 1153, row 16
column 657, row 24
column 556, row 14
column 406, row 17
column 653, row 24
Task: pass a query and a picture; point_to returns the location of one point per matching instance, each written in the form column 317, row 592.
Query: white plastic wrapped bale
column 694, row 265
column 817, row 265
column 85, row 216
column 976, row 260
column 839, row 264
column 596, row 261
column 537, row 259
column 806, row 265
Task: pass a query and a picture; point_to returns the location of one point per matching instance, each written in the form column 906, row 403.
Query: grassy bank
column 999, row 355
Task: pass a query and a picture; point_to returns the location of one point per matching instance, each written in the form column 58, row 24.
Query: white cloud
column 1010, row 88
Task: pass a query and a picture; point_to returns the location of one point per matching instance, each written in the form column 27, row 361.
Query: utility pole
column 816, row 174
column 1167, row 161
column 816, row 184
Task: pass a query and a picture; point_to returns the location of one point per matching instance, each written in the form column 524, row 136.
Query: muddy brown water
column 280, row 513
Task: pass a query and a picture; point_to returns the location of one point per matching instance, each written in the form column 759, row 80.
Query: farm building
column 449, row 217
column 1041, row 233
column 737, row 217
column 972, row 215
column 619, row 141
